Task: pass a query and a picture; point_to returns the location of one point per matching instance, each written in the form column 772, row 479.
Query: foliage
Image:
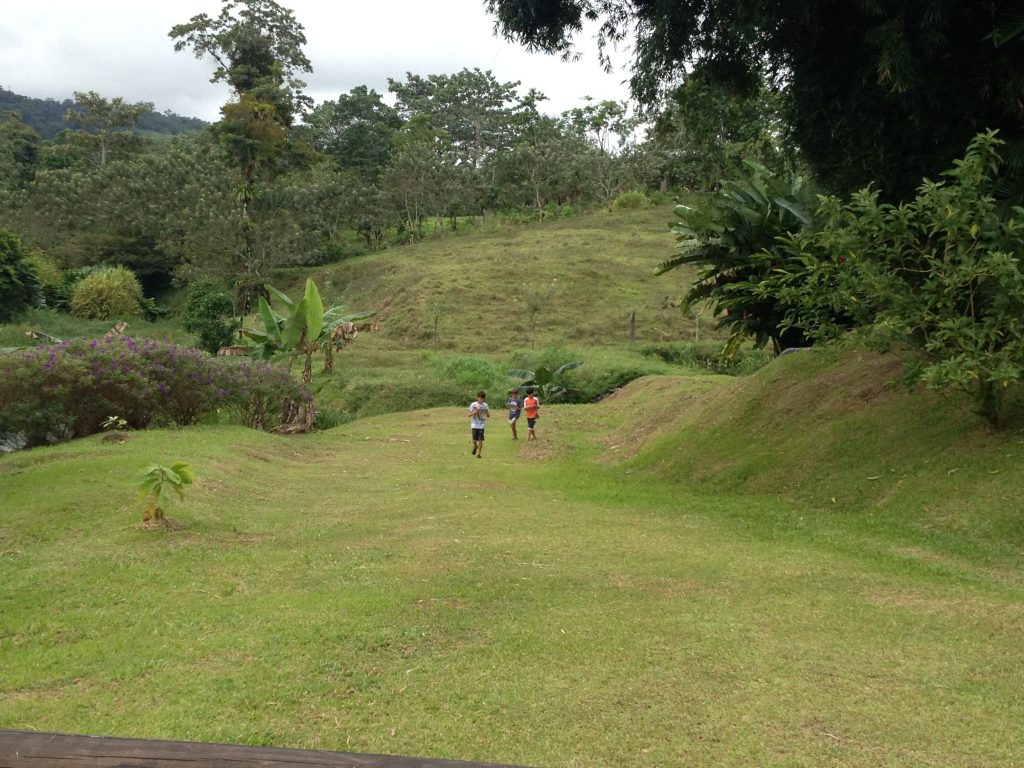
column 208, row 314
column 159, row 484
column 551, row 384
column 113, row 424
column 112, row 293
column 19, row 281
column 704, row 128
column 305, row 329
column 941, row 272
column 708, row 355
column 882, row 92
column 630, row 200
column 46, row 116
column 63, row 391
column 105, row 121
column 733, row 236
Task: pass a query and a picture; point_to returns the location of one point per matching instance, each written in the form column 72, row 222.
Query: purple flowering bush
column 64, row 391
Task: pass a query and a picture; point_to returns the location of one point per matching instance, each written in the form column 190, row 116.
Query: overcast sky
column 51, row 48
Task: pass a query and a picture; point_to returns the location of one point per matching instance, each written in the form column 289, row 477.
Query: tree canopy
column 883, row 91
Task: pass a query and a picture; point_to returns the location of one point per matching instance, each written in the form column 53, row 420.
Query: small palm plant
column 157, row 484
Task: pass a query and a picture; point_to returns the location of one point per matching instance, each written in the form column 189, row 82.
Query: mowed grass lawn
column 375, row 588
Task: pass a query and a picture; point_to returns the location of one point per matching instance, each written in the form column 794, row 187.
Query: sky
column 52, row 48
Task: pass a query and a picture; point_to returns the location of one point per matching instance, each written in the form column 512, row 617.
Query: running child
column 532, row 407
column 479, row 412
column 515, row 408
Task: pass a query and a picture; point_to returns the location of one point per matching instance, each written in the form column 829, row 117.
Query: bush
column 472, row 374
column 64, row 391
column 19, row 283
column 940, row 272
column 52, row 292
column 113, row 293
column 631, row 200
column 209, row 314
column 710, row 356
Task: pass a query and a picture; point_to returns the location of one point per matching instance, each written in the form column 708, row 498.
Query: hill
column 46, row 116
column 575, row 280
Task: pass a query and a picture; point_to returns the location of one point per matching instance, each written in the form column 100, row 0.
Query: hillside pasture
column 640, row 587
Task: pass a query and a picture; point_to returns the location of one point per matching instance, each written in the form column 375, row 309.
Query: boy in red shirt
column 532, row 407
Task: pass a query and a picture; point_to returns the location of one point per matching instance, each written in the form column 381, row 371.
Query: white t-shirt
column 478, row 413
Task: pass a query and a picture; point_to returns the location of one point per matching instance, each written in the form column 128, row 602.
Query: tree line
column 280, row 181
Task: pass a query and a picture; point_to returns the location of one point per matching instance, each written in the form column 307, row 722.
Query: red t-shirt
column 531, row 405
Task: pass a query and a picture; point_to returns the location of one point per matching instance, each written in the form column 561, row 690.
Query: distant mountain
column 47, row 116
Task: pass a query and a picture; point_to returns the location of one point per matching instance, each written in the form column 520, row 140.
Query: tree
column 940, row 273
column 475, row 110
column 356, row 131
column 885, row 91
column 19, row 153
column 257, row 46
column 703, row 130
column 19, row 285
column 105, row 121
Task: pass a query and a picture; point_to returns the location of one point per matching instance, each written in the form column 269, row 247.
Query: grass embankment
column 578, row 601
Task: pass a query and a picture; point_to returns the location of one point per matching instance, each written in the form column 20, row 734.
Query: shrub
column 708, row 355
column 472, row 373
column 52, row 292
column 732, row 236
column 59, row 392
column 19, row 283
column 113, row 293
column 631, row 200
column 940, row 272
column 209, row 313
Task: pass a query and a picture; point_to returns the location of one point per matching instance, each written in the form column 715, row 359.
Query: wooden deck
column 29, row 749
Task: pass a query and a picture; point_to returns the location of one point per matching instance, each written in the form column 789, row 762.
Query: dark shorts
column 478, row 434
column 531, row 423
column 513, row 417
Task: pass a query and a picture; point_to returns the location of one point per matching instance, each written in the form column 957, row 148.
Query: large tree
column 882, row 91
column 257, row 47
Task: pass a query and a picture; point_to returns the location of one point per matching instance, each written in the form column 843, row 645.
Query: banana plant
column 548, row 383
column 302, row 330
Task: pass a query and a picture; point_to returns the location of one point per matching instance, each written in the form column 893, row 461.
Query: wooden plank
column 30, row 749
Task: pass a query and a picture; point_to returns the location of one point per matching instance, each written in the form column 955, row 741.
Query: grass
column 582, row 276
column 374, row 588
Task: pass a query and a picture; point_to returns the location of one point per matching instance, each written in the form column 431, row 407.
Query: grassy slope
column 590, row 273
column 580, row 601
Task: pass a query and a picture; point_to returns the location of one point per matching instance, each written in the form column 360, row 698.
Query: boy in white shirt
column 479, row 412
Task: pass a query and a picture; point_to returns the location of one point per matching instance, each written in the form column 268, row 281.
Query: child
column 532, row 407
column 515, row 407
column 479, row 412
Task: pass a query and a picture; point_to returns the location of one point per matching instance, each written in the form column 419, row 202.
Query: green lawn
column 374, row 588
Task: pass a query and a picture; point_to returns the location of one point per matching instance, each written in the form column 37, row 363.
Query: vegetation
column 798, row 556
column 732, row 236
column 45, row 117
column 159, row 484
column 51, row 393
column 861, row 87
column 19, row 282
column 113, row 293
column 208, row 313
